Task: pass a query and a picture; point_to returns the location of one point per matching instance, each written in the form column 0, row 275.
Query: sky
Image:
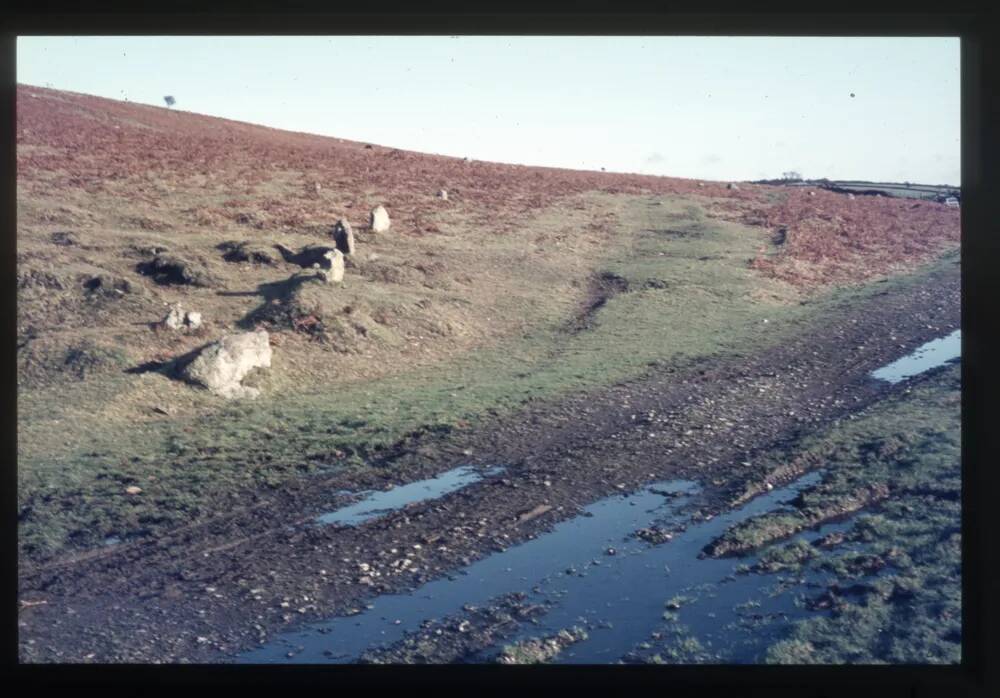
column 721, row 108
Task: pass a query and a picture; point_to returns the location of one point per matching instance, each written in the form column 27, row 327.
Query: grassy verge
column 689, row 294
column 910, row 612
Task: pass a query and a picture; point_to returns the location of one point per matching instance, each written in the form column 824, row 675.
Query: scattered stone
column 179, row 319
column 379, row 219
column 223, row 364
column 534, row 513
column 175, row 318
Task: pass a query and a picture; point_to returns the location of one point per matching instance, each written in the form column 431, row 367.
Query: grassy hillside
column 526, row 283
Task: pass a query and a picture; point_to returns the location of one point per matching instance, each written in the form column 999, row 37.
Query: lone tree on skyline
column 170, row 101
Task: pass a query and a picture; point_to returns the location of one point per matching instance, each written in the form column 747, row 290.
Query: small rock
column 133, row 489
column 175, row 318
column 442, row 194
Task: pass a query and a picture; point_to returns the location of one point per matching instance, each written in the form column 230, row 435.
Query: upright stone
column 332, row 267
column 379, row 219
column 343, row 237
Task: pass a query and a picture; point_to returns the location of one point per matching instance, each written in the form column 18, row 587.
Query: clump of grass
column 911, row 613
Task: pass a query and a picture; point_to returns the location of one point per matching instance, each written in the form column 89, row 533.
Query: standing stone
column 222, row 365
column 343, row 237
column 332, row 267
column 733, row 187
column 443, row 194
column 379, row 219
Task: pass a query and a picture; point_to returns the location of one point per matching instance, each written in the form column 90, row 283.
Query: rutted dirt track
column 206, row 592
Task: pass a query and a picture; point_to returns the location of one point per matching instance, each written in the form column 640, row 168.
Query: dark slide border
column 980, row 290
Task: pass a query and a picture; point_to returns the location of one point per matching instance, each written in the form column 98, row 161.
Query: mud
column 219, row 587
column 457, row 637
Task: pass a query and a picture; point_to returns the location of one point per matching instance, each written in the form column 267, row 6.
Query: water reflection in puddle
column 377, row 504
column 624, row 593
column 930, row 355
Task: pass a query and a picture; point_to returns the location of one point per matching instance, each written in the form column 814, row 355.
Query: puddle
column 569, row 567
column 735, row 617
column 651, row 575
column 571, row 543
column 930, row 355
column 377, row 504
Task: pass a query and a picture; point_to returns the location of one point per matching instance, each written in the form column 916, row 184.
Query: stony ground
column 704, row 421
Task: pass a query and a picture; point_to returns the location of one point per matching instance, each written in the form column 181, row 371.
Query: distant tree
column 170, row 101
column 791, row 176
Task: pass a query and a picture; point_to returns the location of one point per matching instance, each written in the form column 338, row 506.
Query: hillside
column 525, row 284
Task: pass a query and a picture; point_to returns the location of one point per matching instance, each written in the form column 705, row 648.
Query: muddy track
column 219, row 587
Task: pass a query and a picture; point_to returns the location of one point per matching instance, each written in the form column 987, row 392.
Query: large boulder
column 343, row 236
column 223, row 364
column 379, row 219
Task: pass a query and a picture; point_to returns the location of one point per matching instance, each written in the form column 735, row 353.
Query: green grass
column 74, row 463
column 913, row 612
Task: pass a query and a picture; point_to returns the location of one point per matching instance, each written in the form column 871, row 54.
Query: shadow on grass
column 276, row 296
column 171, row 368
